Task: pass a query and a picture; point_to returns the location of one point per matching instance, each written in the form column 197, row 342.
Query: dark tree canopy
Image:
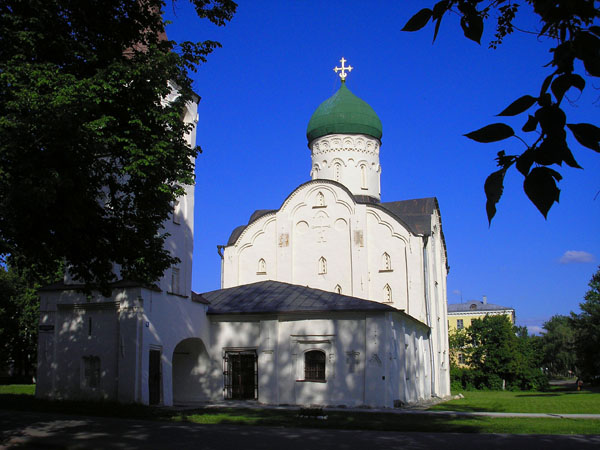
column 91, row 157
column 587, row 331
column 19, row 318
column 574, row 27
column 558, row 346
column 498, row 354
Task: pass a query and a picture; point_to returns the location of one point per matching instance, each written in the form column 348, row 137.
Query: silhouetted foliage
column 573, row 25
column 587, row 332
column 91, row 156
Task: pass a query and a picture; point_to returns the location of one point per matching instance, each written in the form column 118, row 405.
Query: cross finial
column 342, row 70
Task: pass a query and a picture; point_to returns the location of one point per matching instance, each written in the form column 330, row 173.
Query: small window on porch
column 314, row 365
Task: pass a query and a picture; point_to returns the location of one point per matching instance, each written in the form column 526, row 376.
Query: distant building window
column 89, row 326
column 91, row 371
column 322, row 266
column 387, row 294
column 473, row 306
column 262, row 267
column 338, row 289
column 459, row 324
column 461, row 358
column 175, row 281
column 314, row 365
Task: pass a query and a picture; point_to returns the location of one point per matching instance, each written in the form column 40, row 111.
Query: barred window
column 314, row 365
column 459, row 324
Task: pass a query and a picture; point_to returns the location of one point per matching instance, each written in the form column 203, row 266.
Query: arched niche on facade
column 191, row 367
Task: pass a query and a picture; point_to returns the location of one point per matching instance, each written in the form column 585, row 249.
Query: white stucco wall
column 365, row 363
column 321, row 220
column 350, row 159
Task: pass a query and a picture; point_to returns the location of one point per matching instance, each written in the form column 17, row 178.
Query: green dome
column 344, row 113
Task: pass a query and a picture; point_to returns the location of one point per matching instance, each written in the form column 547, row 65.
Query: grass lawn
column 10, row 398
column 557, row 401
column 28, row 389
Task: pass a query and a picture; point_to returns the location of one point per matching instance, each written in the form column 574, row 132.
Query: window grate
column 240, row 375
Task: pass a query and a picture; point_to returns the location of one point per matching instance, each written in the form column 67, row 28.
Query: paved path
column 53, row 431
column 256, row 405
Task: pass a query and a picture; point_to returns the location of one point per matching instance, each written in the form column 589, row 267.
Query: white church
column 336, row 298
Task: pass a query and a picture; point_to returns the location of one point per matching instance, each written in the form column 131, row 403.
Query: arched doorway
column 191, row 368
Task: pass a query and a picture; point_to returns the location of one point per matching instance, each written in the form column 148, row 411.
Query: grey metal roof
column 416, row 213
column 266, row 297
column 475, row 305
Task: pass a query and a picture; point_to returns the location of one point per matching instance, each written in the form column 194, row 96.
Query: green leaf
column 540, row 187
column 519, row 105
column 472, row 26
column 586, row 134
column 531, row 124
column 491, row 133
column 493, row 187
column 419, row 20
column 562, row 84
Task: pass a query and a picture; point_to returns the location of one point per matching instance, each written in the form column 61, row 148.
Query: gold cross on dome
column 342, row 70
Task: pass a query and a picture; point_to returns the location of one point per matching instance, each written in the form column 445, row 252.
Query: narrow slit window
column 337, row 171
column 175, row 281
column 386, row 262
column 387, row 293
column 322, row 266
column 177, row 212
column 363, row 176
column 262, row 267
column 320, row 199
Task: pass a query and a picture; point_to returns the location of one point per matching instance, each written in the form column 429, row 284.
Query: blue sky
column 259, row 91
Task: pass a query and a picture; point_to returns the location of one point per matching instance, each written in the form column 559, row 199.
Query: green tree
column 558, row 346
column 587, row 331
column 503, row 355
column 91, row 156
column 573, row 26
column 19, row 317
